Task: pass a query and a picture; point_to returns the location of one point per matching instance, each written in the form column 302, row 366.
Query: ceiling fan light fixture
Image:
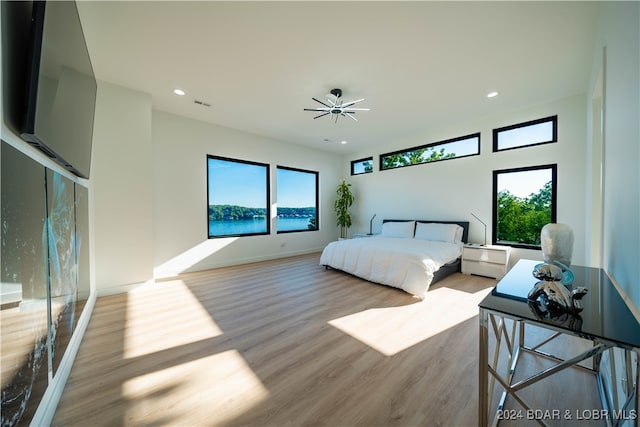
column 336, row 107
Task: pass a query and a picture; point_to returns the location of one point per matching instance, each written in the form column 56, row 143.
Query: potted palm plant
column 342, row 205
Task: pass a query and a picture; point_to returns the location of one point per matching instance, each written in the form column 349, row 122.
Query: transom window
column 524, row 200
column 362, row 166
column 297, row 195
column 535, row 132
column 464, row 146
column 237, row 197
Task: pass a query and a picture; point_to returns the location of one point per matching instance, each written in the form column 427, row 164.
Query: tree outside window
column 361, row 166
column 524, row 200
column 444, row 150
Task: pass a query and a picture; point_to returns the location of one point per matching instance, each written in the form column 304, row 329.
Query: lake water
column 224, row 228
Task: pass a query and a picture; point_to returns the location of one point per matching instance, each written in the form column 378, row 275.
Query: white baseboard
column 239, row 261
column 113, row 290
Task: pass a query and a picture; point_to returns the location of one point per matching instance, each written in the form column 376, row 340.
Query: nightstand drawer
column 491, row 261
column 497, row 256
column 484, row 269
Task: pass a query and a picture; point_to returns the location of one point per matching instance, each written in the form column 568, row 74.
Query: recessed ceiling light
column 179, row 92
column 329, row 140
column 492, row 94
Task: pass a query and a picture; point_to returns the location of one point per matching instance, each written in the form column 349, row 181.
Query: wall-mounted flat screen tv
column 61, row 87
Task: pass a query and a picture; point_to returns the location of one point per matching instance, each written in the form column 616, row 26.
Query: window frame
column 354, row 162
column 267, row 197
column 554, row 202
column 317, row 199
column 430, row 145
column 554, row 138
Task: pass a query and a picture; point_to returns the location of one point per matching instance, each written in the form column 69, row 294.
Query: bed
column 407, row 254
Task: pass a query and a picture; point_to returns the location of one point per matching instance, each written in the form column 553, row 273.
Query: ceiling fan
column 337, row 107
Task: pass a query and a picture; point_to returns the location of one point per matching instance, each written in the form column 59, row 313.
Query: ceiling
column 419, row 65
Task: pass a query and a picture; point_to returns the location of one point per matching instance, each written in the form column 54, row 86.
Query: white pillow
column 451, row 233
column 403, row 229
column 459, row 233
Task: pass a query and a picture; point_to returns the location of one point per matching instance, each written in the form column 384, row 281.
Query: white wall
column 120, row 193
column 180, row 148
column 620, row 36
column 452, row 189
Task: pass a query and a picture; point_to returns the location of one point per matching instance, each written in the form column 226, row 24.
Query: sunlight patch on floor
column 390, row 330
column 182, row 262
column 163, row 317
column 221, row 384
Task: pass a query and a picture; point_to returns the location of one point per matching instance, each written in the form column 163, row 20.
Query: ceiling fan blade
column 352, row 102
column 349, row 115
column 321, row 115
column 317, row 109
column 358, row 109
column 317, row 100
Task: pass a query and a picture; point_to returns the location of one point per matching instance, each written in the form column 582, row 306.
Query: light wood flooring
column 282, row 343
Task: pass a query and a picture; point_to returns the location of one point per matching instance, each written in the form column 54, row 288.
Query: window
column 297, row 195
column 237, row 197
column 452, row 148
column 524, row 200
column 362, row 166
column 535, row 132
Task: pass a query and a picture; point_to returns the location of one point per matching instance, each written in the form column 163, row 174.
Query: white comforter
column 408, row 264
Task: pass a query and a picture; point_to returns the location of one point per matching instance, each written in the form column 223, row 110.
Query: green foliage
column 415, row 157
column 393, row 161
column 342, row 204
column 234, row 212
column 296, row 212
column 435, row 155
column 521, row 219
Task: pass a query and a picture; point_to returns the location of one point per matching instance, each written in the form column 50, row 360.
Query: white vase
column 557, row 243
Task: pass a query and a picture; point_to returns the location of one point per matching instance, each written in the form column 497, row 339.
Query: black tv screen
column 61, row 87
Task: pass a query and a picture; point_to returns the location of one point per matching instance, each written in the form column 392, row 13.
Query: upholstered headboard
column 463, row 224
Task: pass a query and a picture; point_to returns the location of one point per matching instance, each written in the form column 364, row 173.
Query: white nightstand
column 357, row 236
column 491, row 261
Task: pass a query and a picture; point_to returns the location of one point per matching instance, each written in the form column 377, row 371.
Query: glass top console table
column 605, row 320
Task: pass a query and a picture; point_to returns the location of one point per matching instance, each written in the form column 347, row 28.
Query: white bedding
column 404, row 263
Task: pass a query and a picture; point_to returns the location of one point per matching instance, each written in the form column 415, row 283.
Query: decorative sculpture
column 567, row 320
column 556, row 241
column 555, row 298
column 547, row 272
